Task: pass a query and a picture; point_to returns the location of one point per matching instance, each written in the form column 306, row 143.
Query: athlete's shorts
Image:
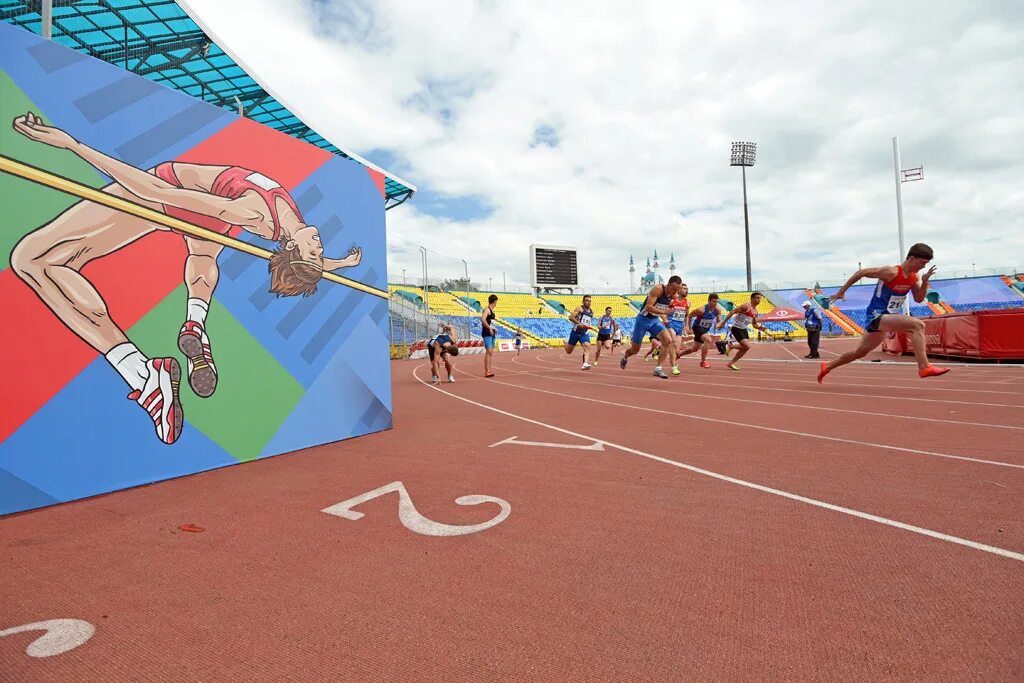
column 646, row 326
column 578, row 337
column 698, row 335
column 602, row 338
column 740, row 334
column 676, row 326
column 616, row 342
column 518, row 343
column 488, row 342
column 875, row 322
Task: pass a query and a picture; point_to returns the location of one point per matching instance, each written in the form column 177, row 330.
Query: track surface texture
column 719, row 526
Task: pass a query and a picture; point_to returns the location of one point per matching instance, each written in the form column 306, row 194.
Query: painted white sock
column 130, row 364
column 197, row 310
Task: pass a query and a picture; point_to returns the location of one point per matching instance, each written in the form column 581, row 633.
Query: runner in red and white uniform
column 220, row 198
column 743, row 316
column 678, row 324
column 885, row 310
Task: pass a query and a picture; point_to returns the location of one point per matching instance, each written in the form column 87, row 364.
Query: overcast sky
column 607, row 125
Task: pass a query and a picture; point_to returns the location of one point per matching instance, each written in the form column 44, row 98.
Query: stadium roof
column 159, row 40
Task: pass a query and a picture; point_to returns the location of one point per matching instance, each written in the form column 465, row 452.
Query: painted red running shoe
column 159, row 398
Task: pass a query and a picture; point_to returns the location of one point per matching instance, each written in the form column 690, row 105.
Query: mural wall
column 183, row 289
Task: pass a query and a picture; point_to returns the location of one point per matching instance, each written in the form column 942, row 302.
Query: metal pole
column 426, row 290
column 47, row 12
column 241, row 109
column 899, row 193
column 465, row 268
column 746, row 227
column 503, row 287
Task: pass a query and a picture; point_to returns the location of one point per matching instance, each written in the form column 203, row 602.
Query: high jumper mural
column 226, row 278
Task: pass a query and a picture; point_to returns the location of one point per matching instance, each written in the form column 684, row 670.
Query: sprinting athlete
column 649, row 321
column 606, row 328
column 745, row 315
column 518, row 341
column 678, row 324
column 488, row 332
column 655, row 349
column 616, row 336
column 885, row 310
column 582, row 320
column 443, row 347
column 702, row 321
column 220, row 198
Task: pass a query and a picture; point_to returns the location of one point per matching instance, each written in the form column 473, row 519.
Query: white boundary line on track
column 778, row 430
column 771, row 403
column 818, row 392
column 1002, row 552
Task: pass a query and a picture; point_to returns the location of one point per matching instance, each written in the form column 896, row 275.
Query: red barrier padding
column 981, row 334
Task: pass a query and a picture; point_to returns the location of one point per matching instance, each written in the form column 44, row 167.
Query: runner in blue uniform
column 606, row 327
column 649, row 321
column 442, row 347
column 885, row 311
column 489, row 333
column 703, row 321
column 518, row 340
column 582, row 320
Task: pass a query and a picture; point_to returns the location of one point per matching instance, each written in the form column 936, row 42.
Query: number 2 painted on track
column 411, row 518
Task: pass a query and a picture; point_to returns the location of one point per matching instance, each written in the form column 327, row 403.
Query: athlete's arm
column 574, row 317
column 880, row 273
column 355, row 255
column 483, row 319
column 921, row 288
column 143, row 185
column 652, row 297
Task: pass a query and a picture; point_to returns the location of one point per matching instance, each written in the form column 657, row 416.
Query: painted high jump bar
column 68, row 186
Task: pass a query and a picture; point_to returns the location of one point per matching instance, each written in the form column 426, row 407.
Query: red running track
column 714, row 526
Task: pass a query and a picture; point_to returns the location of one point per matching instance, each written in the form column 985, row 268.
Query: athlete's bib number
column 679, row 314
column 742, row 321
column 896, row 304
column 586, row 321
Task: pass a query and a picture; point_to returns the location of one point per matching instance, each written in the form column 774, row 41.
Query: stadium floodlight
column 745, row 154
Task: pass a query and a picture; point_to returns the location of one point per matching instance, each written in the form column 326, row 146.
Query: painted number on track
column 412, row 520
column 60, row 636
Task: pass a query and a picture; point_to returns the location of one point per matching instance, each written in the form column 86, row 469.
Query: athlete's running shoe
column 433, row 379
column 451, row 380
column 822, row 372
column 489, row 374
column 658, row 372
column 586, row 366
column 159, row 398
column 594, row 363
column 733, row 366
column 202, row 373
column 932, row 371
column 623, row 361
column 705, row 364
column 675, row 369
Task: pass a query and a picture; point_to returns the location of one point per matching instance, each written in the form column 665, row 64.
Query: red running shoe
column 489, row 374
column 705, row 365
column 822, row 372
column 932, row 371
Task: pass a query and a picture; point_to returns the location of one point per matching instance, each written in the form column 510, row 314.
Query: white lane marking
column 784, row 348
column 818, row 392
column 515, row 441
column 747, row 484
column 411, row 518
column 778, row 430
column 800, row 406
column 61, row 635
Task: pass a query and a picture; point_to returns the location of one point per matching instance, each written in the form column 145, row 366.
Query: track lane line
column 930, row 533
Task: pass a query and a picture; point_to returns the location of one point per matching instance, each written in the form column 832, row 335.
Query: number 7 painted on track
column 411, row 518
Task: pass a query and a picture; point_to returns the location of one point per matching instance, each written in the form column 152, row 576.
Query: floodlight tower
column 743, row 155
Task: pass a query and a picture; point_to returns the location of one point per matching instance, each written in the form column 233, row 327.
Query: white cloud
column 645, row 99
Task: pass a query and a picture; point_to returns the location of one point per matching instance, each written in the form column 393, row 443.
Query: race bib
column 896, row 304
column 585, row 320
column 679, row 314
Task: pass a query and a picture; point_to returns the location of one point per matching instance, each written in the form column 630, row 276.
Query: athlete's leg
column 906, row 323
column 201, row 276
column 50, row 260
column 448, row 366
column 742, row 347
column 586, row 353
column 868, row 343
